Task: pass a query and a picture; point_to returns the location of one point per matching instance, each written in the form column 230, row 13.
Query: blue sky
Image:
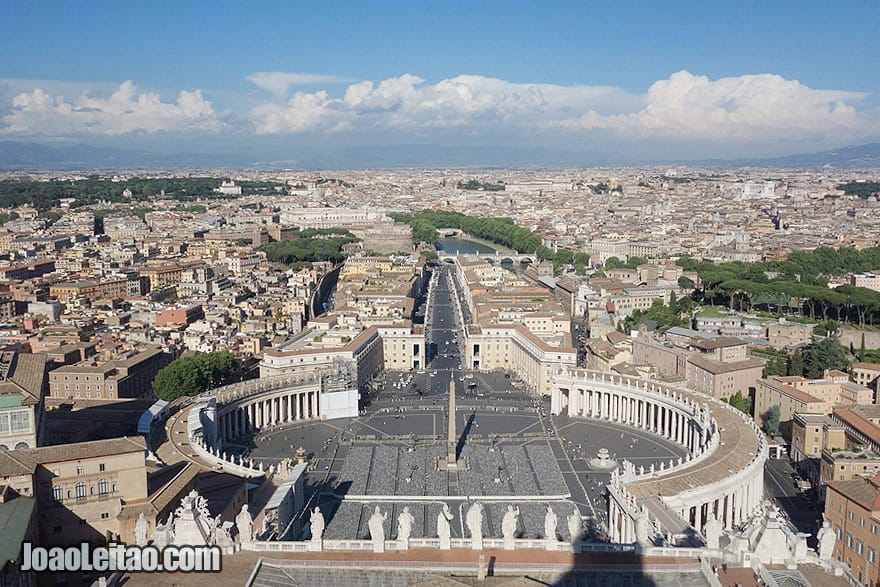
column 736, row 78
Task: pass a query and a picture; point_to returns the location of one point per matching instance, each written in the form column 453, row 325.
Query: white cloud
column 406, row 103
column 747, row 107
column 685, row 106
column 278, row 82
column 124, row 111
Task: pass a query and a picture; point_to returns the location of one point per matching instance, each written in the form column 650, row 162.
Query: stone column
column 699, row 518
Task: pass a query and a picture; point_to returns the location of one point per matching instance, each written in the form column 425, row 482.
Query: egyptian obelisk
column 451, row 462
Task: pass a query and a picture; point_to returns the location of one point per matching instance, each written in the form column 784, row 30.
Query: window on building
column 79, row 470
column 872, row 555
column 860, row 547
column 102, row 487
column 104, row 515
column 57, row 492
column 102, row 467
column 80, row 489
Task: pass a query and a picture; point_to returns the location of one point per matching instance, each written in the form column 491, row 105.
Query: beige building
column 514, row 348
column 715, row 365
column 80, row 488
column 808, row 437
column 867, row 374
column 808, row 396
column 325, row 343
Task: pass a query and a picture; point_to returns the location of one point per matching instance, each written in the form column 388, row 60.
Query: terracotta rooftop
column 862, row 490
column 860, row 424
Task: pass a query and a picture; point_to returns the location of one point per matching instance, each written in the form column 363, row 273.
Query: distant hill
column 21, row 155
column 852, row 157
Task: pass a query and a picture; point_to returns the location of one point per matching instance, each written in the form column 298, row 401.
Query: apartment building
column 92, row 289
column 128, row 376
column 180, row 316
column 853, row 508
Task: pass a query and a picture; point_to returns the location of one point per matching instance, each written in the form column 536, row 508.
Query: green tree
column 796, row 364
column 741, row 403
column 581, row 258
column 563, row 257
column 821, row 354
column 613, row 263
column 634, row 262
column 685, row 282
column 192, row 375
column 771, row 420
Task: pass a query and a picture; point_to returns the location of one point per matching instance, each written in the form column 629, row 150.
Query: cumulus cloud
column 278, row 82
column 406, row 103
column 685, row 106
column 735, row 108
column 125, row 111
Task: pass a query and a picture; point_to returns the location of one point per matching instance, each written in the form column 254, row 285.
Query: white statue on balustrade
column 643, row 528
column 712, row 531
column 826, row 538
column 405, row 522
column 575, row 526
column 376, row 526
column 163, row 535
column 509, row 524
column 475, row 525
column 140, row 530
column 316, row 529
column 444, row 532
column 245, row 526
column 550, row 522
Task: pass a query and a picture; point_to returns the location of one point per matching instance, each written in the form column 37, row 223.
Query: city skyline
column 635, row 82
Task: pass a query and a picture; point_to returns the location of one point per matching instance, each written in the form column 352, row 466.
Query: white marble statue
column 245, row 525
column 550, row 521
column 643, row 529
column 575, row 525
column 140, row 530
column 444, row 532
column 164, row 535
column 316, row 525
column 712, row 532
column 509, row 523
column 475, row 525
column 376, row 525
column 405, row 522
column 826, row 539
